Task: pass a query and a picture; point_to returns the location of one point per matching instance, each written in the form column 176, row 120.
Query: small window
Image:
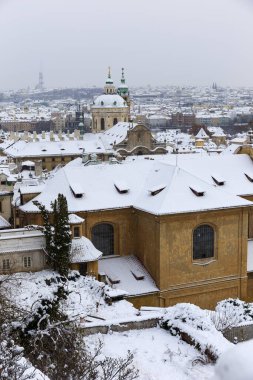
column 203, row 242
column 76, row 232
column 27, row 262
column 1, row 207
column 6, row 264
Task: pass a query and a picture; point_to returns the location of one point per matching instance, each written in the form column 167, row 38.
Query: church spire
column 123, row 76
column 109, row 86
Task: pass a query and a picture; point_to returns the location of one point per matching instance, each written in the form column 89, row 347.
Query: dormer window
column 249, row 176
column 121, row 187
column 156, row 189
column 77, row 190
column 197, row 191
column 218, row 180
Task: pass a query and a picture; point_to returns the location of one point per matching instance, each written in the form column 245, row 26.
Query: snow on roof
column 77, row 189
column 21, row 240
column 118, row 132
column 92, row 143
column 121, row 185
column 4, row 223
column 83, row 250
column 127, row 269
column 28, row 163
column 97, row 182
column 75, row 219
column 231, row 149
column 201, row 134
column 109, row 101
column 31, row 189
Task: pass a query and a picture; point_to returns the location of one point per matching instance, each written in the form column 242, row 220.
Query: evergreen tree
column 57, row 234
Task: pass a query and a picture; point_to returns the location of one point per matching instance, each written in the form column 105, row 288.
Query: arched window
column 115, row 121
column 102, row 236
column 102, row 124
column 203, row 242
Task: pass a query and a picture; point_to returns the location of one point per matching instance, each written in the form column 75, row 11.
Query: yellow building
column 182, row 225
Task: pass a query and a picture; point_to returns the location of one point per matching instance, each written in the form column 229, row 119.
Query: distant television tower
column 40, row 85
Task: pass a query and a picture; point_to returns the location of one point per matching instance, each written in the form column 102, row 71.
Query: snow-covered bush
column 234, row 312
column 195, row 326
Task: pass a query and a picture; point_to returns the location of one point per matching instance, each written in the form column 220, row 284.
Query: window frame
column 27, row 261
column 113, row 238
column 206, row 258
column 76, row 228
column 4, row 262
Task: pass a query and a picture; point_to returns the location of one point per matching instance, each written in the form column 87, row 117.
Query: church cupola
column 109, row 86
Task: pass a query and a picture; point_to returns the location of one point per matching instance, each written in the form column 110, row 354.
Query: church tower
column 123, row 90
column 110, row 108
column 109, row 87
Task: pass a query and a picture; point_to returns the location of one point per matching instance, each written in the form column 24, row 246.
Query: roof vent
column 138, row 275
column 121, row 186
column 197, row 191
column 156, row 189
column 113, row 278
column 77, row 190
column 249, row 176
column 218, row 180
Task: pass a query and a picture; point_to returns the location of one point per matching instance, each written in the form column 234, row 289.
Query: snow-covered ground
column 157, row 354
column 86, row 296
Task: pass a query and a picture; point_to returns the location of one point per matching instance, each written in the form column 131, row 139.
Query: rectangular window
column 27, row 261
column 76, row 232
column 1, row 207
column 6, row 264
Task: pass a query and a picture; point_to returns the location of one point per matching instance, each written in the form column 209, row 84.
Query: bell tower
column 123, row 90
column 109, row 87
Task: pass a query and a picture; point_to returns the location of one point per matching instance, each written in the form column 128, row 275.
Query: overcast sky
column 178, row 42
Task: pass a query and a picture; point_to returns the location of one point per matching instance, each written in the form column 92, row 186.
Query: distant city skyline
column 166, row 42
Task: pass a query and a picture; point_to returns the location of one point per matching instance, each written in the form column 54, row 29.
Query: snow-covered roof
column 118, row 132
column 201, row 134
column 75, row 219
column 109, row 101
column 28, row 163
column 21, row 239
column 92, row 143
column 131, row 275
column 83, row 250
column 4, row 223
column 98, row 184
